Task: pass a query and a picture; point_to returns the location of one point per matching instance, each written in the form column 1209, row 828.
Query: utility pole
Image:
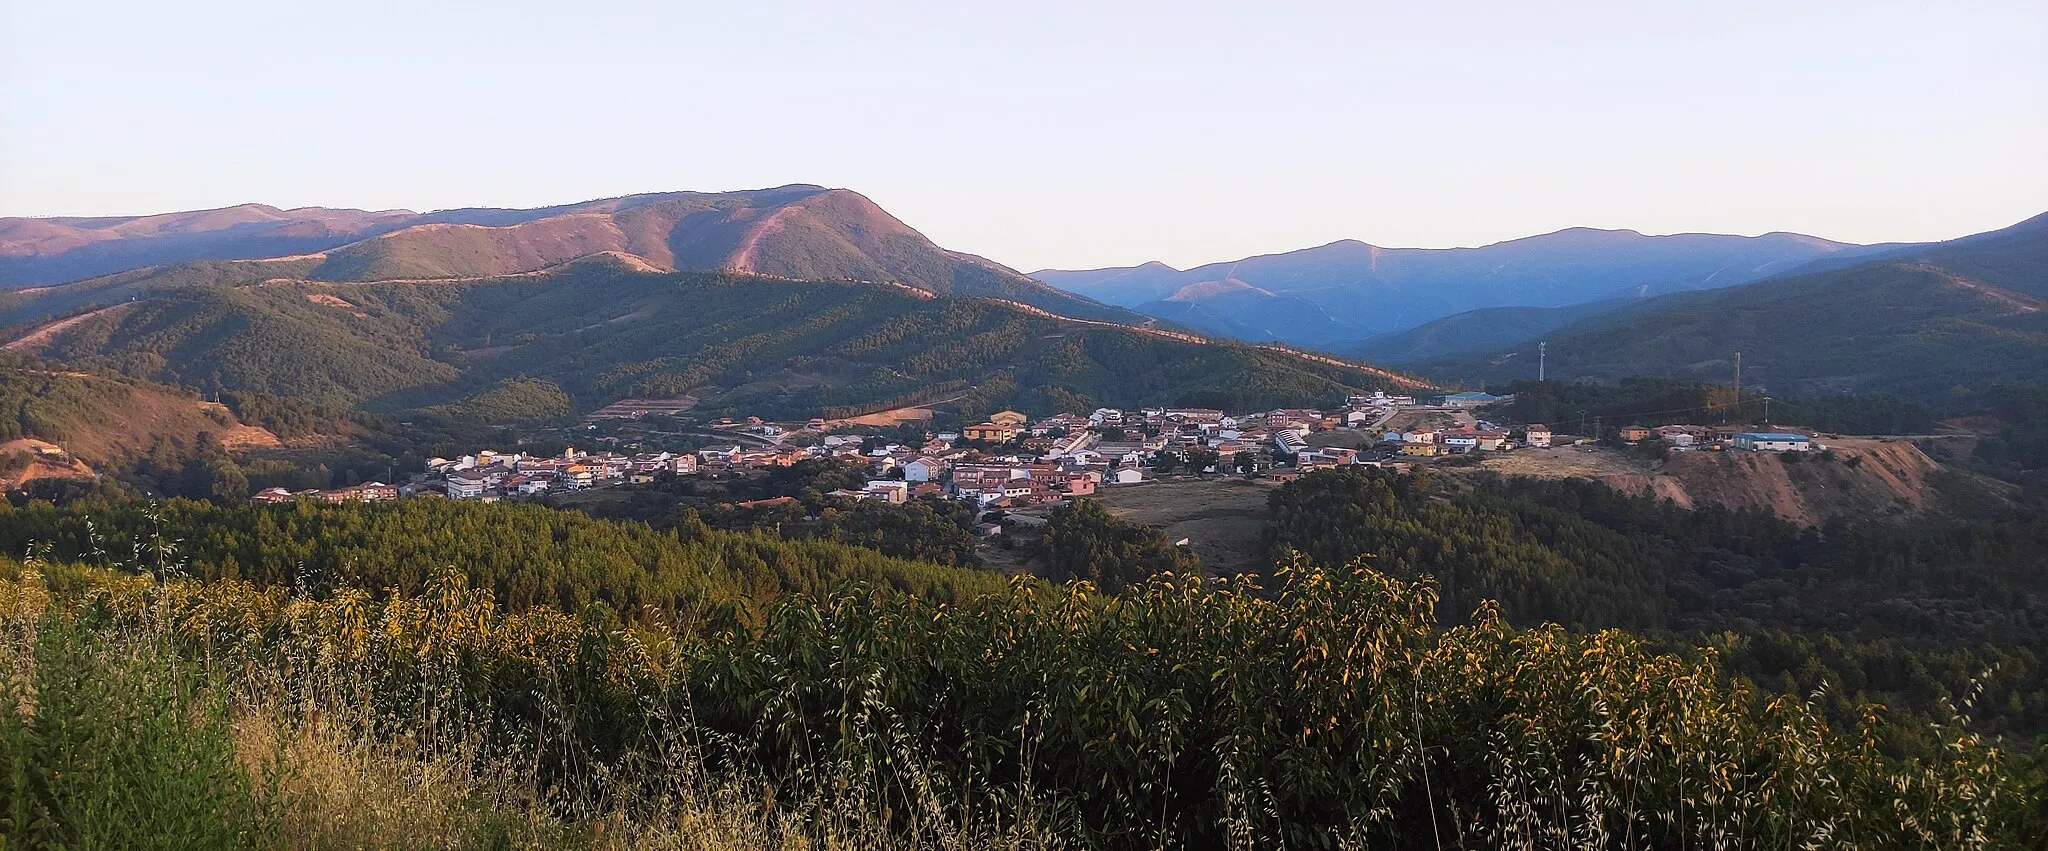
column 1542, row 352
column 1767, row 410
column 1738, row 385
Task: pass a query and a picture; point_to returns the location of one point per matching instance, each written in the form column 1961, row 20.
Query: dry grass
column 334, row 789
column 1221, row 516
column 337, row 790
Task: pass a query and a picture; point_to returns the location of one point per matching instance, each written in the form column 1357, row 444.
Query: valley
column 724, row 418
column 639, row 427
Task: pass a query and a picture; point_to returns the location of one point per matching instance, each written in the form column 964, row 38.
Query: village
column 1012, row 461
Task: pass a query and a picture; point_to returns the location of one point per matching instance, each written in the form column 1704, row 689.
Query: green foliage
column 526, row 555
column 105, row 746
column 924, row 529
column 93, row 294
column 1641, row 400
column 1336, row 711
column 264, row 339
column 936, row 531
column 37, row 400
column 1916, row 613
column 292, row 417
column 2018, row 450
column 1083, row 541
column 513, row 400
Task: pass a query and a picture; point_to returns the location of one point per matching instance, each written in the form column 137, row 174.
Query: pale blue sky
column 1048, row 134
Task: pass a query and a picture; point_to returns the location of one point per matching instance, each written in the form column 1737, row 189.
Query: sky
column 1053, row 134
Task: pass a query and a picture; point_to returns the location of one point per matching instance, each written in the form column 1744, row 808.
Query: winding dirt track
column 743, row 257
column 43, row 336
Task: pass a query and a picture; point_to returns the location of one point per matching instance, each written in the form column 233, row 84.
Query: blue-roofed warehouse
column 1773, row 441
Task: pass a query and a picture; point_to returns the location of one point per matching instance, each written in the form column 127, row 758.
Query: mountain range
column 586, row 333
column 804, row 299
column 1916, row 320
column 797, row 232
column 1339, row 295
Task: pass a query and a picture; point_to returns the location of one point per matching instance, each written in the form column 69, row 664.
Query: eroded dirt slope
column 1860, row 478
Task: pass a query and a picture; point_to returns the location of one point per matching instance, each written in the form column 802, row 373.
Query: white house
column 921, row 469
column 887, row 490
column 1290, row 441
column 1539, row 436
column 466, row 485
column 1380, row 399
column 1128, row 475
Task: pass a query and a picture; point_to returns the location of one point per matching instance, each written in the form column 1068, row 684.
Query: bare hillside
column 797, row 232
column 1860, row 478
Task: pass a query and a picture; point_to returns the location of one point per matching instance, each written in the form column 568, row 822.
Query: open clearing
column 1222, row 517
column 887, row 419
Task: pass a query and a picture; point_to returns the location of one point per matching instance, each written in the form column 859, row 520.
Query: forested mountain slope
column 1968, row 313
column 101, row 418
column 606, row 328
column 1485, row 329
column 1907, row 615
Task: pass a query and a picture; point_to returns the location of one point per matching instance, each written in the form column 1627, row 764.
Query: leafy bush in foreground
column 1182, row 713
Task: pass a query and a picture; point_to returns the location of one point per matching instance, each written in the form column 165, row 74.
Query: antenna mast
column 1542, row 352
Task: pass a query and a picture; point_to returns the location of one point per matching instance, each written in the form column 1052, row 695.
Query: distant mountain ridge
column 1915, row 320
column 1366, row 290
column 1485, row 329
column 799, row 232
column 45, row 251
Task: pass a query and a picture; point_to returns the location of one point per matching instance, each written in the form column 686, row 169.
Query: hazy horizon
column 1070, row 138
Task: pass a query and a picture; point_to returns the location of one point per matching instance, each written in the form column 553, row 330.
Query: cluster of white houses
column 1722, row 437
column 489, row 474
column 365, row 492
column 1011, row 460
